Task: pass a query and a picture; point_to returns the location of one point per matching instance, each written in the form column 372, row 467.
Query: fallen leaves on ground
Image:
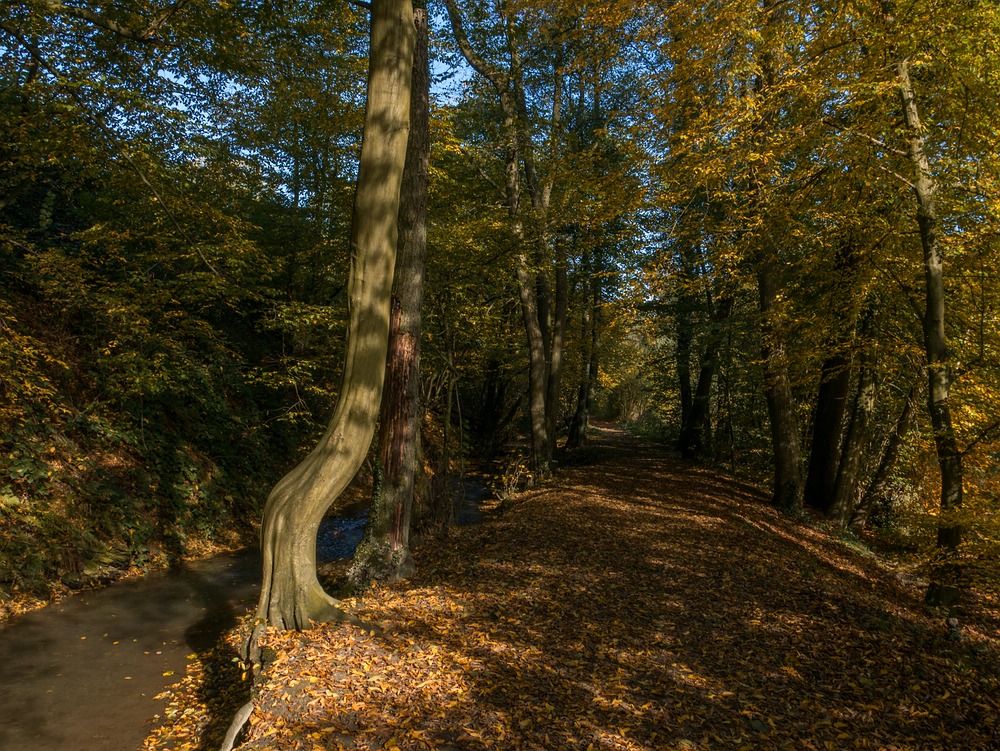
column 635, row 603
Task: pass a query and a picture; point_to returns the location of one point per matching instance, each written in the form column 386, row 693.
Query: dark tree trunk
column 876, row 490
column 685, row 336
column 785, row 443
column 590, row 336
column 384, row 552
column 828, row 430
column 845, row 487
column 291, row 595
column 696, row 432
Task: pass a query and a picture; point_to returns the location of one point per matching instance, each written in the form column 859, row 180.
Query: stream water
column 82, row 674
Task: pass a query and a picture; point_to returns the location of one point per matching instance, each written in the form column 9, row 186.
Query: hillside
column 636, row 602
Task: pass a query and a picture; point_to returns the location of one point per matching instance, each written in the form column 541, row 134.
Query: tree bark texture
column 291, row 595
column 876, row 490
column 943, row 590
column 384, row 552
column 785, row 445
column 696, row 431
column 828, row 430
column 844, row 497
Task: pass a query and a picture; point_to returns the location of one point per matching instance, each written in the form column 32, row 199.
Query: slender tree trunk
column 785, row 442
column 696, row 433
column 843, row 500
column 578, row 425
column 553, row 396
column 291, row 595
column 780, row 401
column 876, row 489
column 685, row 336
column 384, row 552
column 943, row 589
column 531, row 273
column 590, row 370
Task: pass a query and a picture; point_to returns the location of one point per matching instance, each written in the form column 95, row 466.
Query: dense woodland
column 764, row 232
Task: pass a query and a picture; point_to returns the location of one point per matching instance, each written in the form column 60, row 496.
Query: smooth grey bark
column 943, row 589
column 553, row 393
column 291, row 595
column 384, row 551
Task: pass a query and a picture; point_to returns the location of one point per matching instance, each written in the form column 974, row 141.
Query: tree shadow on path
column 643, row 603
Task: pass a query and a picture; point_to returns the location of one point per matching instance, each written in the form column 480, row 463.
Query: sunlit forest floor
column 636, row 602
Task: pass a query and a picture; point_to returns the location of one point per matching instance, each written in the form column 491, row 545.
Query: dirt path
column 636, row 603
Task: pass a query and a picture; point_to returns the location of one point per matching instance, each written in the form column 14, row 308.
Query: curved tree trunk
column 384, row 553
column 291, row 595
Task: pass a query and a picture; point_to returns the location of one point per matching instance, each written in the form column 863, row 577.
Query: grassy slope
column 634, row 603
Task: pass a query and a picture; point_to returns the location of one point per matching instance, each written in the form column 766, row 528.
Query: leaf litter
column 635, row 603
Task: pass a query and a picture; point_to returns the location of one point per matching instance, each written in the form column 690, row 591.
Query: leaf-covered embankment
column 636, row 603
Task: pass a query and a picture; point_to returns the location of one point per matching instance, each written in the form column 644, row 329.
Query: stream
column 82, row 674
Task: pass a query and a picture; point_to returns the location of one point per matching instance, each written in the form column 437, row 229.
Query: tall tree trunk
column 384, row 552
column 685, row 336
column 834, row 388
column 943, row 589
column 538, row 373
column 291, row 595
column 532, row 271
column 879, row 483
column 844, row 498
column 553, row 396
column 778, row 393
column 589, row 335
column 785, row 443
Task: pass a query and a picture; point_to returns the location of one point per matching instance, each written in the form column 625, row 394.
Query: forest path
column 636, row 602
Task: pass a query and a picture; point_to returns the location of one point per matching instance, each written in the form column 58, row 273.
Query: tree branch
column 488, row 71
column 865, row 136
column 146, row 35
